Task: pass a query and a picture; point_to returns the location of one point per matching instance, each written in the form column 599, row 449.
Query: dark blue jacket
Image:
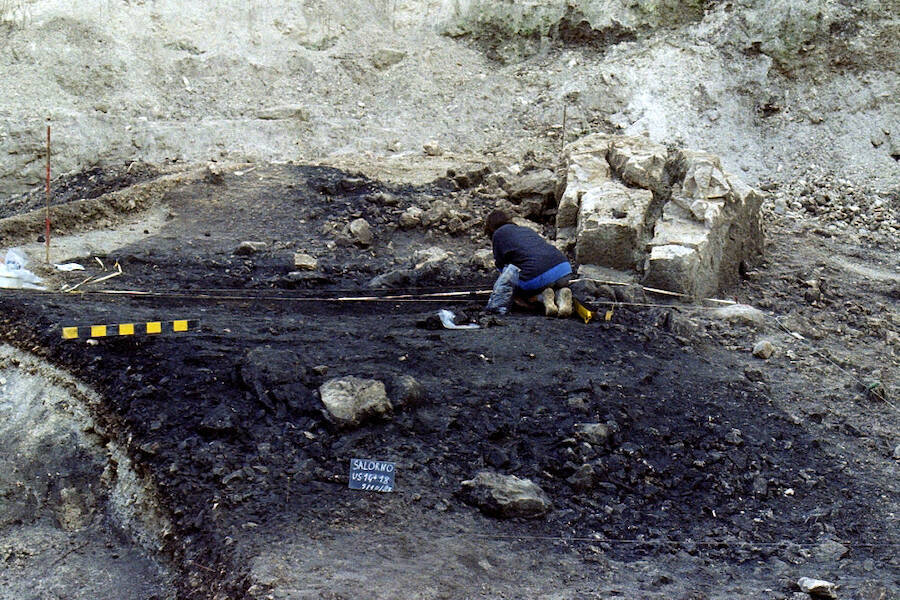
column 540, row 263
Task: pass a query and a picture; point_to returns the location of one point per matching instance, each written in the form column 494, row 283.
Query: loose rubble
column 763, row 349
column 305, row 262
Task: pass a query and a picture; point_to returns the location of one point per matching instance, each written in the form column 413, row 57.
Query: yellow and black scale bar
column 147, row 328
column 587, row 314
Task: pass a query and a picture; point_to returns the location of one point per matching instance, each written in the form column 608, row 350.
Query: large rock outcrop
column 675, row 215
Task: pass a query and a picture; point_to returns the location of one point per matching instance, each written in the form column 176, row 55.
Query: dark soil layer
column 701, row 464
column 84, row 185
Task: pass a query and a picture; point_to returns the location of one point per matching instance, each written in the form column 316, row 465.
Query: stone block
column 585, row 167
column 677, row 226
column 701, row 175
column 610, row 225
column 638, row 161
column 674, row 268
column 679, row 215
column 541, row 183
column 720, row 233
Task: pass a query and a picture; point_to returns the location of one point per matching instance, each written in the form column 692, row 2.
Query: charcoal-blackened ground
column 706, row 487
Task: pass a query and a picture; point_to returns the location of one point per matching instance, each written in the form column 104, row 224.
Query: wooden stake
column 47, row 219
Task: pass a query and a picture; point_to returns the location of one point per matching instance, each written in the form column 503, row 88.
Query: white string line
column 655, row 290
column 458, row 296
column 821, row 354
column 797, row 336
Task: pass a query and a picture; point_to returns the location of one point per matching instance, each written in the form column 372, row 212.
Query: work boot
column 564, row 303
column 549, row 305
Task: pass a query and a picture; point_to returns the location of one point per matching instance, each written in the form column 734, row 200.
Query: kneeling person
column 543, row 268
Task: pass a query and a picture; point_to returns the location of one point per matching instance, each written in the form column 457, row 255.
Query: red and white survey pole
column 47, row 218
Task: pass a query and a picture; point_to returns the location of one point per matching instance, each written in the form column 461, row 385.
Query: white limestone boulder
column 506, row 495
column 350, row 400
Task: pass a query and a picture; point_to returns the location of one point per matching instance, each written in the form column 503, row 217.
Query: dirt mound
column 772, row 89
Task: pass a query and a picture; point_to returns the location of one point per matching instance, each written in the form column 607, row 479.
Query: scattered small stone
column 760, row 486
column 219, row 420
column 387, row 57
column 506, row 495
column 247, row 248
column 592, row 433
column 754, row 374
column 430, row 256
column 579, row 402
column 431, row 148
column 361, row 232
column 734, row 437
column 780, row 206
column 305, row 262
column 817, row 588
column 483, row 260
column 409, row 392
column 455, row 224
column 830, row 550
column 740, row 313
column 763, row 349
column 438, row 211
column 350, row 400
column 214, row 173
column 897, row 452
column 583, row 478
column 385, row 198
column 411, row 217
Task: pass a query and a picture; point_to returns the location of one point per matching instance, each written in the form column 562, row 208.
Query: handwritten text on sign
column 371, row 475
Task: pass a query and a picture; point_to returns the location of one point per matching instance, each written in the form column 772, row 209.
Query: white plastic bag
column 14, row 275
column 448, row 320
column 15, row 260
column 502, row 295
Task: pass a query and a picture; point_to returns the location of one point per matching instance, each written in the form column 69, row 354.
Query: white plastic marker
column 447, row 320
